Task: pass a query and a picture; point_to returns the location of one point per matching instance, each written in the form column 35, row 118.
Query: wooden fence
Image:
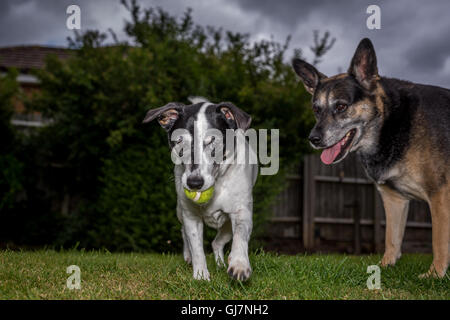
column 337, row 208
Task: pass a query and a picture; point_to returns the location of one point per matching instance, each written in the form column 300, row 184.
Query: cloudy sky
column 413, row 42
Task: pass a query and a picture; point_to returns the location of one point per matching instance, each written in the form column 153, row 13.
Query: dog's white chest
column 215, row 219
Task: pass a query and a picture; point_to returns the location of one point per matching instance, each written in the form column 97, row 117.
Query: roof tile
column 25, row 58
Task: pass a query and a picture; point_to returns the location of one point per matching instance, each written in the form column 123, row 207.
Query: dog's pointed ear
column 233, row 114
column 166, row 115
column 308, row 74
column 364, row 64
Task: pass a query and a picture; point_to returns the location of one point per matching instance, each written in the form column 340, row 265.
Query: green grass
column 42, row 275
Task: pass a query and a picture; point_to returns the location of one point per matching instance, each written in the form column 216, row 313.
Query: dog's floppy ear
column 232, row 114
column 308, row 74
column 166, row 115
column 364, row 64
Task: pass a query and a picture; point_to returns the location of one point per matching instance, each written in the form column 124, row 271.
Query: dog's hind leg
column 223, row 236
column 440, row 220
column 186, row 251
column 396, row 210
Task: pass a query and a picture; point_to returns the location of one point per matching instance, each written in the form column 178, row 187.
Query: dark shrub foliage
column 11, row 168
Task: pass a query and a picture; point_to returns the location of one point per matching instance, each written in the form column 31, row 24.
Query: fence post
column 357, row 227
column 309, row 195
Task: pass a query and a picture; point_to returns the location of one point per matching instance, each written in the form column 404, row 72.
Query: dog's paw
column 389, row 260
column 201, row 274
column 188, row 258
column 433, row 273
column 218, row 257
column 219, row 262
column 239, row 269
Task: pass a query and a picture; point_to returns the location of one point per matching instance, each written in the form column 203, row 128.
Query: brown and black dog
column 401, row 133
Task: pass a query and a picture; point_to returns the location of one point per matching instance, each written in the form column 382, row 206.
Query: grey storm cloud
column 429, row 55
column 413, row 42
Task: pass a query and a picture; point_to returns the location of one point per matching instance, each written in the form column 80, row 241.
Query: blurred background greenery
column 94, row 176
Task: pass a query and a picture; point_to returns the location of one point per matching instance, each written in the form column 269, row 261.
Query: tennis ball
column 199, row 197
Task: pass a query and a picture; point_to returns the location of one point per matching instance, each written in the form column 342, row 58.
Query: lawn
column 42, row 275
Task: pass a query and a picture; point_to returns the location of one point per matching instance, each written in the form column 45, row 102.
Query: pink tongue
column 328, row 155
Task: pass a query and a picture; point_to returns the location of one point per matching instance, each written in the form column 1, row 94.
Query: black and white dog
column 196, row 132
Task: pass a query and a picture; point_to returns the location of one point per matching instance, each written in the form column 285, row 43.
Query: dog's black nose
column 195, row 182
column 315, row 140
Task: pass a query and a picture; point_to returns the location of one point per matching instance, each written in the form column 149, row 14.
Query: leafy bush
column 11, row 168
column 114, row 175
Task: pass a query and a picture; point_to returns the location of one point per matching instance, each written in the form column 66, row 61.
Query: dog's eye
column 341, row 107
column 179, row 140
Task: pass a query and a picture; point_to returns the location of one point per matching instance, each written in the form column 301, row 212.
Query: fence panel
column 337, row 208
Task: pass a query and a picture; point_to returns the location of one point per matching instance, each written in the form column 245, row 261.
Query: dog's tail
column 197, row 99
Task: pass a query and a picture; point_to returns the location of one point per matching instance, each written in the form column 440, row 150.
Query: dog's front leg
column 186, row 249
column 193, row 227
column 238, row 261
column 396, row 210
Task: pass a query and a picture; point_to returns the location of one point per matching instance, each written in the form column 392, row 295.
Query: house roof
column 25, row 58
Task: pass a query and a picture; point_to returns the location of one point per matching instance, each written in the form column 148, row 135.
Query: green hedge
column 11, row 168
